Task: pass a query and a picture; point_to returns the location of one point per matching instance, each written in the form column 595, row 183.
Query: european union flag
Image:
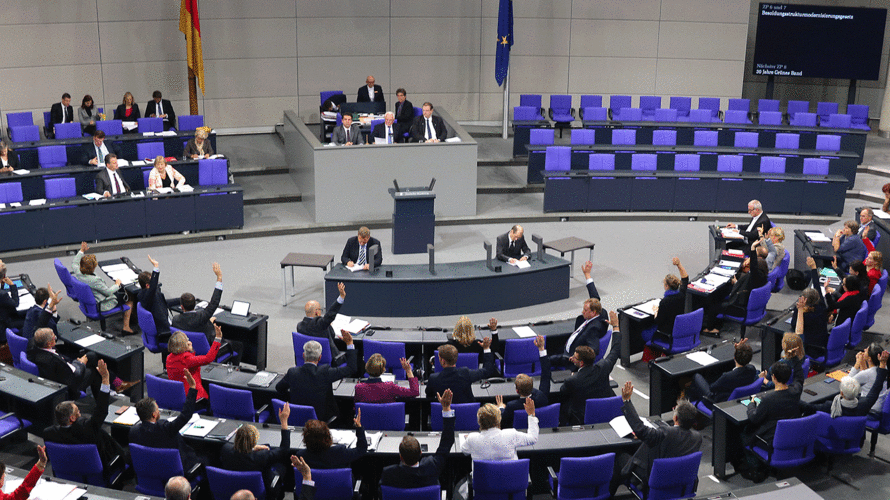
column 505, row 40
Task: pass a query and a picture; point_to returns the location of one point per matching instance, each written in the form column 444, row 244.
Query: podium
column 413, row 219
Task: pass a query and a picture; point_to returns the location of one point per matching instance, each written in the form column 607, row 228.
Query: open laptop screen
column 240, row 308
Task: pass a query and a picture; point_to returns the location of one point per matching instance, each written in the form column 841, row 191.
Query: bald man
column 512, row 247
column 317, row 322
column 370, row 92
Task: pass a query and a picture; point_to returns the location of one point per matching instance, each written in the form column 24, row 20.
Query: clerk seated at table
column 109, row 181
column 348, row 134
column 94, row 153
column 525, row 388
column 758, row 220
column 198, row 147
column 718, row 391
column 387, row 130
column 357, row 247
column 848, row 246
column 43, row 313
column 511, row 246
column 9, row 160
column 164, row 176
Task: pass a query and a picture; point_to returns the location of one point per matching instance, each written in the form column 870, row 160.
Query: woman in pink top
column 375, row 390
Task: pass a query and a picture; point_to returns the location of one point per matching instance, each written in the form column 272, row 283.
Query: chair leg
column 102, row 323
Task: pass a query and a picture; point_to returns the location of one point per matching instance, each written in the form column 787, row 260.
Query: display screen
column 815, row 41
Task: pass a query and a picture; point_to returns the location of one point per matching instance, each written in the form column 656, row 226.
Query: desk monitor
column 240, row 308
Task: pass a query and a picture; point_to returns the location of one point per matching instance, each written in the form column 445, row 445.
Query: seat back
column 803, row 120
column 68, row 130
column 837, row 121
column 541, row 136
column 815, row 166
column 782, row 272
column 793, row 443
column 875, row 301
column 150, row 125
column 149, row 330
column 770, row 118
column 583, row 136
column 213, row 172
column 533, row 100
column 701, row 116
column 735, row 116
column 560, row 103
column 324, row 95
column 232, row 403
column 858, row 324
column 299, row 339
column 739, row 105
column 464, row 360
column 500, row 479
column 52, row 156
column 643, row 161
column 60, row 188
column 27, row 365
column 772, row 164
column 465, row 416
column 828, row 142
column 526, row 113
column 224, row 483
column 746, row 139
column 149, row 150
column 746, row 390
column 168, row 394
column 426, row 493
column 823, row 109
column 153, row 467
column 17, row 345
column 648, row 105
column 521, row 356
column 788, row 141
column 189, row 123
column 687, row 163
column 591, row 101
column 601, row 161
column 769, row 105
column 616, row 102
column 837, row 340
column 86, row 299
column 599, row 114
column 585, row 477
column 682, row 104
column 664, row 137
column 110, row 127
column 558, row 158
column 601, row 410
column 712, row 104
column 198, row 340
column 76, row 462
column 705, row 138
column 674, row 477
column 843, row 435
column 666, row 115
column 858, row 114
column 686, row 330
column 392, row 352
column 24, row 133
column 382, row 416
column 884, row 275
column 65, row 277
column 628, row 114
column 624, row 137
column 299, row 414
column 795, row 107
column 11, row 192
column 330, row 484
column 548, row 416
column 757, row 301
column 22, row 119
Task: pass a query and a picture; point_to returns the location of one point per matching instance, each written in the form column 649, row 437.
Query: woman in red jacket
column 182, row 357
column 24, row 490
column 874, row 263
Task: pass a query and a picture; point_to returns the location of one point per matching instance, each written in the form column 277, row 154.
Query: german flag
column 190, row 26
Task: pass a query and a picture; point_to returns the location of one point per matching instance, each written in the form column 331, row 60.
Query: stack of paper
column 521, row 264
column 37, row 201
column 89, row 340
column 342, row 322
column 881, row 214
column 524, row 332
column 817, row 236
column 26, row 300
column 185, row 188
column 701, row 358
column 121, row 272
column 129, row 417
column 167, row 133
column 129, row 125
column 648, row 307
column 731, row 233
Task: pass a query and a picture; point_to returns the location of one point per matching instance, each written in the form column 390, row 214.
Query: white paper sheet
column 26, row 301
column 521, row 264
column 620, row 426
column 21, row 171
column 47, row 490
column 200, row 427
column 702, row 358
column 93, row 196
column 89, row 340
column 816, row 236
column 343, row 322
column 648, row 307
column 730, row 233
column 356, row 267
column 127, row 125
column 37, row 201
column 129, row 417
column 524, row 331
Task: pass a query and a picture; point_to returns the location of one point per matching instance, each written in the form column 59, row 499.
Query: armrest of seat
column 554, row 481
column 549, row 112
column 572, row 112
column 498, row 356
column 355, row 489
column 256, row 414
column 190, row 474
column 274, row 481
column 528, row 488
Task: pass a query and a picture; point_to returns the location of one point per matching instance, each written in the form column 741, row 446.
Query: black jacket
column 729, row 381
column 199, row 319
column 320, row 326
column 418, row 128
column 664, row 441
column 587, row 383
column 88, row 431
column 539, row 396
column 165, row 433
column 337, row 456
column 351, row 250
column 428, row 469
column 310, row 385
column 775, row 406
column 670, row 307
column 38, row 317
column 153, row 301
column 460, row 380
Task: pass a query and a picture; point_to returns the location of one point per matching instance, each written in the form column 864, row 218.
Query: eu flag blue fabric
column 505, row 40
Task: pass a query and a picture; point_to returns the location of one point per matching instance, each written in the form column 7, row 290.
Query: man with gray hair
column 177, row 488
column 758, row 220
column 310, row 384
column 387, row 131
column 317, row 322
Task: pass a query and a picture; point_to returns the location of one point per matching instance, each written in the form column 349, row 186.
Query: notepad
column 648, row 307
column 89, row 340
column 129, row 417
column 521, row 264
column 702, row 358
column 199, row 428
column 816, row 236
column 524, row 331
column 351, row 325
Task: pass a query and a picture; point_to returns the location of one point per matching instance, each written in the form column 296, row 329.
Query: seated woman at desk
column 245, row 455
column 874, row 265
column 792, row 352
column 9, row 161
column 164, row 175
column 814, row 314
column 751, row 274
column 845, row 303
column 322, row 453
column 128, row 110
column 107, row 297
column 198, row 147
column 86, row 115
column 463, row 338
column 182, row 357
column 375, row 390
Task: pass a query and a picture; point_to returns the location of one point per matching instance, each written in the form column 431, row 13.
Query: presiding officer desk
column 470, row 287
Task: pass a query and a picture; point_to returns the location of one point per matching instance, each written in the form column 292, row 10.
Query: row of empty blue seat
column 743, row 139
column 57, row 156
column 21, row 128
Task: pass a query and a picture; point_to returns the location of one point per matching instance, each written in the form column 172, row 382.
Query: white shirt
column 432, row 128
column 753, row 222
column 100, row 155
column 111, row 177
column 499, row 444
column 371, row 92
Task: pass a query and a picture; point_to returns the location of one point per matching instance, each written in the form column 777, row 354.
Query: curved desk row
column 173, row 146
column 61, row 222
column 691, row 191
column 839, row 162
column 455, row 288
column 33, row 186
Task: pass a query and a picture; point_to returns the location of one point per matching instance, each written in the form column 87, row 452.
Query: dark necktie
column 398, row 108
column 429, row 135
column 117, row 183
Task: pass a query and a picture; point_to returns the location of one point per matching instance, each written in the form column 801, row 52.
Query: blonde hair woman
column 198, row 147
column 128, row 110
column 245, row 455
column 182, row 357
column 164, row 175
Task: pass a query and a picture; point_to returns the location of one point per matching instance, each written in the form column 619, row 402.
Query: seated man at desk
column 161, row 108
column 591, row 380
column 72, row 428
column 153, row 300
column 511, row 246
column 9, row 303
column 428, row 127
column 459, row 379
column 388, row 131
column 43, row 313
column 848, row 247
column 526, row 389
column 317, row 323
column 662, row 441
column 356, row 250
column 108, row 181
column 867, row 229
column 370, row 92
column 61, row 112
column 94, row 153
column 758, row 220
column 310, row 384
column 743, row 374
column 348, row 134
column 156, row 432
column 590, row 326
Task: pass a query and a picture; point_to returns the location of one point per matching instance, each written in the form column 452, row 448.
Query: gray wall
column 262, row 57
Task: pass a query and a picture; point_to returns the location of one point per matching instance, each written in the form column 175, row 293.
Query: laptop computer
column 240, row 308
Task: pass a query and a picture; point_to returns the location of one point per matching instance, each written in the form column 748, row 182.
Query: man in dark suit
column 590, row 326
column 459, row 380
column 371, row 92
column 743, row 374
column 318, row 324
column 109, row 181
column 72, row 428
column 412, row 471
column 347, row 134
column 43, row 313
column 592, row 378
column 9, row 303
column 310, row 384
column 94, row 153
column 428, row 127
column 525, row 388
column 388, row 130
column 61, row 112
column 77, row 374
column 153, row 300
column 201, row 319
column 867, row 229
column 511, row 246
column 156, row 432
column 758, row 220
column 357, row 248
column 664, row 441
column 404, row 112
column 161, row 108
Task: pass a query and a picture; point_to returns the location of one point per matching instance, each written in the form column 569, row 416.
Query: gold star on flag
column 504, row 40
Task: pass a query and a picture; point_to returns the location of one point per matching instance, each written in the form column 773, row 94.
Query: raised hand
column 342, row 289
column 486, row 343
column 54, row 297
column 445, row 399
column 301, row 466
column 347, row 337
column 358, row 418
column 283, row 415
column 676, row 261
column 407, row 367
column 586, row 268
column 187, row 376
column 492, row 324
column 84, row 247
column 627, row 390
column 499, row 401
column 154, row 263
column 613, row 318
column 530, row 406
column 811, row 262
column 539, row 342
column 217, row 271
column 41, row 455
column 218, row 330
column 103, row 371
